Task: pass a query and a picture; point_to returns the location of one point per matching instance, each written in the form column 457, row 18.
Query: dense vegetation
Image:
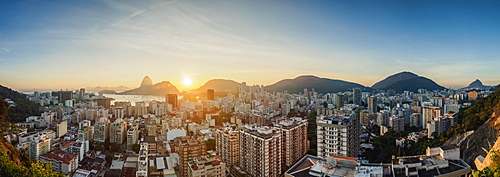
column 312, row 134
column 24, row 107
column 493, row 169
column 14, row 162
column 414, row 84
column 470, row 118
column 385, row 146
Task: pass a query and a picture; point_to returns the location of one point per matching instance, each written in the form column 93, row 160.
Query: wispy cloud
column 5, row 50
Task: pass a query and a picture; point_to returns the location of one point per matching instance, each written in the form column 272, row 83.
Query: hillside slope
column 23, row 106
column 320, row 85
column 222, row 85
column 482, row 118
column 162, row 88
column 406, row 81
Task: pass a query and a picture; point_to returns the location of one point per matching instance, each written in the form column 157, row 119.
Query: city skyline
column 60, row 44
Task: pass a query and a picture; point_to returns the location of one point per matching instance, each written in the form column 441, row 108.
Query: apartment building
column 294, row 140
column 61, row 161
column 227, row 145
column 208, row 165
column 261, row 150
column 338, row 134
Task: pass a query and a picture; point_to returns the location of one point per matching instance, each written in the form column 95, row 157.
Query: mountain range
column 320, row 85
column 99, row 88
column 477, row 84
column 147, row 88
column 399, row 82
column 222, row 85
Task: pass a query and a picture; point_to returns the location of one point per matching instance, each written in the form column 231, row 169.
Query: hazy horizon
column 179, row 86
column 74, row 44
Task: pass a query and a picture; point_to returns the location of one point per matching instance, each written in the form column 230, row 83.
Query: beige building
column 117, row 131
column 132, row 136
column 101, row 130
column 152, row 129
column 152, row 144
column 62, row 128
column 428, row 114
column 294, row 140
column 87, row 133
column 188, row 149
column 140, row 109
column 227, row 145
column 209, row 165
column 261, row 151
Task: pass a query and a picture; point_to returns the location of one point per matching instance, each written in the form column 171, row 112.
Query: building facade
column 227, row 145
column 338, row 134
column 261, row 151
column 209, row 165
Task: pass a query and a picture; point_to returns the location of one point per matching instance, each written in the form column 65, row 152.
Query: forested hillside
column 23, row 107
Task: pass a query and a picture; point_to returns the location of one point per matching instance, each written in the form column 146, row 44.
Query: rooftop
column 59, row 155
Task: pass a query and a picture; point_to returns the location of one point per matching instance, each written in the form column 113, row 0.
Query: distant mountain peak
column 405, row 75
column 221, row 85
column 147, row 88
column 146, row 81
column 320, row 85
column 307, row 77
column 476, row 83
column 406, row 81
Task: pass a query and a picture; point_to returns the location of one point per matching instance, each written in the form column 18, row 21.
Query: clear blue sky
column 73, row 44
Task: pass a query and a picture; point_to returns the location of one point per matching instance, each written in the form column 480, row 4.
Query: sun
column 186, row 81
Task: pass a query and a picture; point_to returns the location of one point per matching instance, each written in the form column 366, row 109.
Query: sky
column 73, row 44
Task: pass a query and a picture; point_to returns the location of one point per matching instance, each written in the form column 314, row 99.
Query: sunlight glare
column 186, row 81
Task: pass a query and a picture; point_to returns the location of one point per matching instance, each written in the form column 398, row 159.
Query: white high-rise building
column 428, row 114
column 338, row 134
column 38, row 146
column 451, row 106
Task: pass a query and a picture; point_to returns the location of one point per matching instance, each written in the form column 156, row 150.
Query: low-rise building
column 438, row 161
column 61, row 161
column 209, row 165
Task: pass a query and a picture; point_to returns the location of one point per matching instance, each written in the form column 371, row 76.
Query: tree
column 4, row 107
column 43, row 170
column 98, row 147
column 136, row 147
column 116, row 147
column 210, row 144
column 109, row 157
column 37, row 169
column 8, row 167
column 312, row 152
